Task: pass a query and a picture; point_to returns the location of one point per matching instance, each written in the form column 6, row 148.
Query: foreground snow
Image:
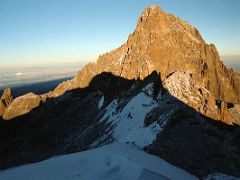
column 114, row 161
column 220, row 176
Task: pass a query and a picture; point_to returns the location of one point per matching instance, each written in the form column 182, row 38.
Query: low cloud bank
column 232, row 62
column 18, row 76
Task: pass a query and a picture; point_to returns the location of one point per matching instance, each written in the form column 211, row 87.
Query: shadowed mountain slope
column 114, row 109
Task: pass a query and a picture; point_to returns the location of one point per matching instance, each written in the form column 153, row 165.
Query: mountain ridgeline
column 165, row 90
column 166, row 44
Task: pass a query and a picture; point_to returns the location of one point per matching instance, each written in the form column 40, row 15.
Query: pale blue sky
column 56, row 31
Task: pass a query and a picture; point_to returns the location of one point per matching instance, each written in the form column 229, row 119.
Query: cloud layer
column 17, row 76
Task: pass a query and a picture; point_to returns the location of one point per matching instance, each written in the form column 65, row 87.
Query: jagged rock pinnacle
column 153, row 9
column 5, row 100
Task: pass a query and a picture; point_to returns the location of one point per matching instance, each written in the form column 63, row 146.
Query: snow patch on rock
column 100, row 104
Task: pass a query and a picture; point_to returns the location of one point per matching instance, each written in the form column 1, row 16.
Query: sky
column 34, row 32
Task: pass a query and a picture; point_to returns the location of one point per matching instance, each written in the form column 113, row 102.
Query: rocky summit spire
column 150, row 19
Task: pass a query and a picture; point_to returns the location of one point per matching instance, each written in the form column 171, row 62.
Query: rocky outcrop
column 5, row 100
column 22, row 105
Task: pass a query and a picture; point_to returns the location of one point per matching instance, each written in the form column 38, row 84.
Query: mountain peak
column 155, row 20
column 153, row 9
column 149, row 14
column 165, row 44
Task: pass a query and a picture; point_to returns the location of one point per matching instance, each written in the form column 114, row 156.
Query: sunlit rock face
column 192, row 93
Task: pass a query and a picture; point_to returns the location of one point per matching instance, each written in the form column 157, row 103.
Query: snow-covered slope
column 128, row 121
column 114, row 161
